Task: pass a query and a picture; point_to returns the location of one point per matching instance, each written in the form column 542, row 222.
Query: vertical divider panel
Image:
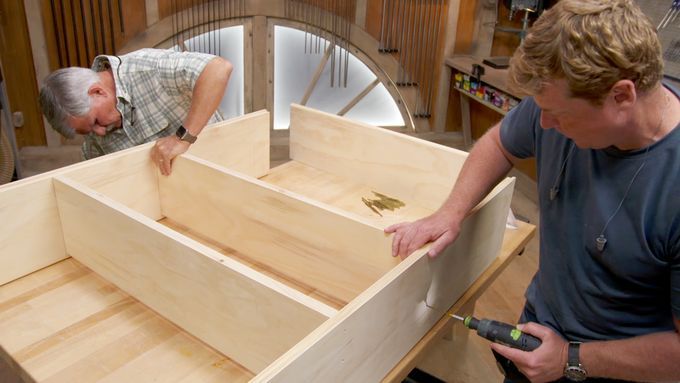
column 315, row 244
column 241, row 144
column 249, row 317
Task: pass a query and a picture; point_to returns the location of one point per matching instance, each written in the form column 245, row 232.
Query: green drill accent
column 515, row 334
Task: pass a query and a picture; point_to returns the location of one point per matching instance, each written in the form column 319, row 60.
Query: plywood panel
column 240, row 144
column 64, row 323
column 236, row 310
column 31, row 235
column 129, row 177
column 354, row 347
column 319, row 245
column 405, row 167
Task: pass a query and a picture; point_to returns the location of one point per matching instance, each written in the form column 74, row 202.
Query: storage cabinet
column 285, row 273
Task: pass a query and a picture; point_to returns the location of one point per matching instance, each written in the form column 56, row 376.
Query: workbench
column 67, row 323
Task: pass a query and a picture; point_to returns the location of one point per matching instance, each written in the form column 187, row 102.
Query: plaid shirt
column 154, row 89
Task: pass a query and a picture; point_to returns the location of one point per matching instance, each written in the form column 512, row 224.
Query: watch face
column 575, row 373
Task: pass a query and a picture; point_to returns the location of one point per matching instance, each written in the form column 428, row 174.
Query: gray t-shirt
column 630, row 288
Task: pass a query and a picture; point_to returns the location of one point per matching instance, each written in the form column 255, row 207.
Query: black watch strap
column 572, row 354
column 574, row 371
column 184, row 135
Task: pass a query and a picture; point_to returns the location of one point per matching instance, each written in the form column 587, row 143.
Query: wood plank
column 31, row 236
column 374, row 156
column 356, row 345
column 328, row 249
column 113, row 174
column 236, row 310
column 240, row 143
column 112, row 337
column 341, row 193
column 514, row 241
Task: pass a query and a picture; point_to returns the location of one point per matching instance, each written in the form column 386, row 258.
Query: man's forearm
column 486, row 165
column 650, row 358
column 207, row 94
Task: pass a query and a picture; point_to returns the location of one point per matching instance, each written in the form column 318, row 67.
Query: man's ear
column 623, row 92
column 96, row 89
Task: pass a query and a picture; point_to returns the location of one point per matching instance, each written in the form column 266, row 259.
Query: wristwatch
column 184, row 135
column 574, row 371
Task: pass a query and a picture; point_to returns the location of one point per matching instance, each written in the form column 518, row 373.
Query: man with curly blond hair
column 603, row 127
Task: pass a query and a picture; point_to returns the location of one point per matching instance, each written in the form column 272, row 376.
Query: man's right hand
column 438, row 228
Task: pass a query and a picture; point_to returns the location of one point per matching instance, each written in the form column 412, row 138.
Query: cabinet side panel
column 406, row 167
column 241, row 144
column 31, row 236
column 234, row 309
column 128, row 177
column 373, row 333
column 303, row 239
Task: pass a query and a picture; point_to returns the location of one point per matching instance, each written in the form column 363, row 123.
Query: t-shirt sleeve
column 520, row 129
column 179, row 71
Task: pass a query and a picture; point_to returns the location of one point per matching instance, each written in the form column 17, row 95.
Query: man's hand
column 544, row 364
column 165, row 150
column 410, row 236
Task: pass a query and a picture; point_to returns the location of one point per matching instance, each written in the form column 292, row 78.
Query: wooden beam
column 359, row 97
column 317, row 74
column 241, row 313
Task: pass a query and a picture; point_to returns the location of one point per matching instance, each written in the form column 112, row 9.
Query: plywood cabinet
column 285, row 272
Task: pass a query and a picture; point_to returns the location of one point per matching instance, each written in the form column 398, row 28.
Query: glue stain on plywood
column 382, row 202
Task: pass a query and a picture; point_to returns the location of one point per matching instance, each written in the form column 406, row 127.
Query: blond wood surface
column 513, row 243
column 403, row 167
column 414, row 296
column 240, row 144
column 28, row 206
column 65, row 323
column 240, row 312
column 293, row 234
column 341, row 193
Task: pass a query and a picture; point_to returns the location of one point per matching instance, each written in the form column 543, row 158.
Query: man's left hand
column 165, row 150
column 544, row 364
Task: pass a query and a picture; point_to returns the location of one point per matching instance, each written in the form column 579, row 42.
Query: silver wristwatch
column 574, row 371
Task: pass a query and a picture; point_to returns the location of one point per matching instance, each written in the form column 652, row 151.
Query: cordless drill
column 499, row 332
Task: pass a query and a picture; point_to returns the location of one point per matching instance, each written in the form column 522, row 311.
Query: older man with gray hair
column 147, row 95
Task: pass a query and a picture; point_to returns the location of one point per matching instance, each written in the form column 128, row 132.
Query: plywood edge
column 307, row 241
column 297, row 109
column 240, row 143
column 375, row 156
column 236, row 310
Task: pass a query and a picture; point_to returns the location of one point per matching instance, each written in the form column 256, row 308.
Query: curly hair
column 591, row 44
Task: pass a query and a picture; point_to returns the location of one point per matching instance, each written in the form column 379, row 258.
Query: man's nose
column 99, row 130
